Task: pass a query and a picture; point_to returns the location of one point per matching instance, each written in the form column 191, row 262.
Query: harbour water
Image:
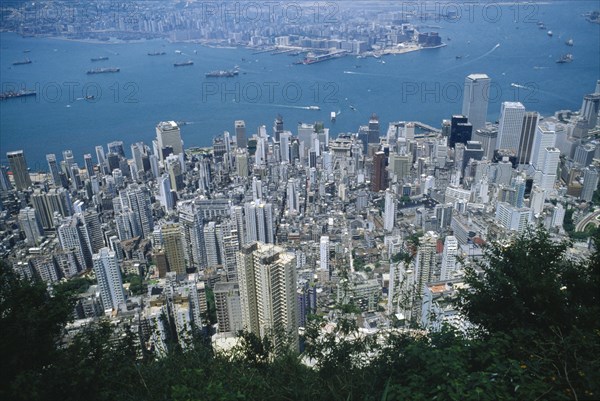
column 424, row 85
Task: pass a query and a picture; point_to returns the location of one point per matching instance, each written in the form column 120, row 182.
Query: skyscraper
column 174, row 248
column 510, row 126
column 373, row 132
column 293, row 198
column 31, row 225
column 390, row 211
column 548, row 169
column 425, row 262
column 18, row 167
column 137, row 200
column 108, row 275
column 228, row 307
column 528, row 129
column 268, row 290
column 168, row 136
column 278, row 127
column 324, row 252
column 53, row 168
column 240, row 134
column 259, row 222
column 545, row 137
column 449, row 257
column 476, row 94
column 591, row 176
column 116, row 147
column 590, row 109
column 461, row 130
column 379, row 178
column 190, row 218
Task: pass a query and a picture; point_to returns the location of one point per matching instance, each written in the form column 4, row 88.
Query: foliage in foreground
column 537, row 337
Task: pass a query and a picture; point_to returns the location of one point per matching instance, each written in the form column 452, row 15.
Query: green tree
column 31, row 323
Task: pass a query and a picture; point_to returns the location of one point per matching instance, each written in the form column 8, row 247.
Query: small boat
column 353, row 108
column 313, row 108
column 101, row 58
column 549, row 33
column 458, row 57
column 333, row 116
column 569, row 42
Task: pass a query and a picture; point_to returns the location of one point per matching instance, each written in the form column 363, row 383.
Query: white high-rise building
column 510, row 126
column 513, row 218
column 293, row 197
column 591, row 177
column 390, row 211
column 259, row 222
column 284, row 146
column 164, row 189
column 475, row 99
column 211, row 244
column 449, row 263
column 137, row 199
column 545, row 137
column 267, row 279
column 108, row 275
column 549, row 168
column 31, row 225
column 537, row 199
column 324, row 253
column 168, row 135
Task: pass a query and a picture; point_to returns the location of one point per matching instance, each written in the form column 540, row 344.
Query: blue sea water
column 503, row 42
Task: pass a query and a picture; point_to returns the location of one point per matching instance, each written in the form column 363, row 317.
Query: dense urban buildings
column 276, row 223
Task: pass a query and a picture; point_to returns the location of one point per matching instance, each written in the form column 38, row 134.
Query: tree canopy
column 536, row 336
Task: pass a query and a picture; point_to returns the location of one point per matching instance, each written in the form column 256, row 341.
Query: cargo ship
column 102, row 58
column 184, row 63
column 222, row 74
column 13, row 94
column 21, row 62
column 103, row 70
column 157, row 53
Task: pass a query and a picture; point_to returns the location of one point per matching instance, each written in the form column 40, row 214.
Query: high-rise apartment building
column 108, row 275
column 267, row 279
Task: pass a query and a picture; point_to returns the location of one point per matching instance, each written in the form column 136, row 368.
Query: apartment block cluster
column 275, row 226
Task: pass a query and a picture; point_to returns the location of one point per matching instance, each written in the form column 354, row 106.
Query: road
column 590, row 218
